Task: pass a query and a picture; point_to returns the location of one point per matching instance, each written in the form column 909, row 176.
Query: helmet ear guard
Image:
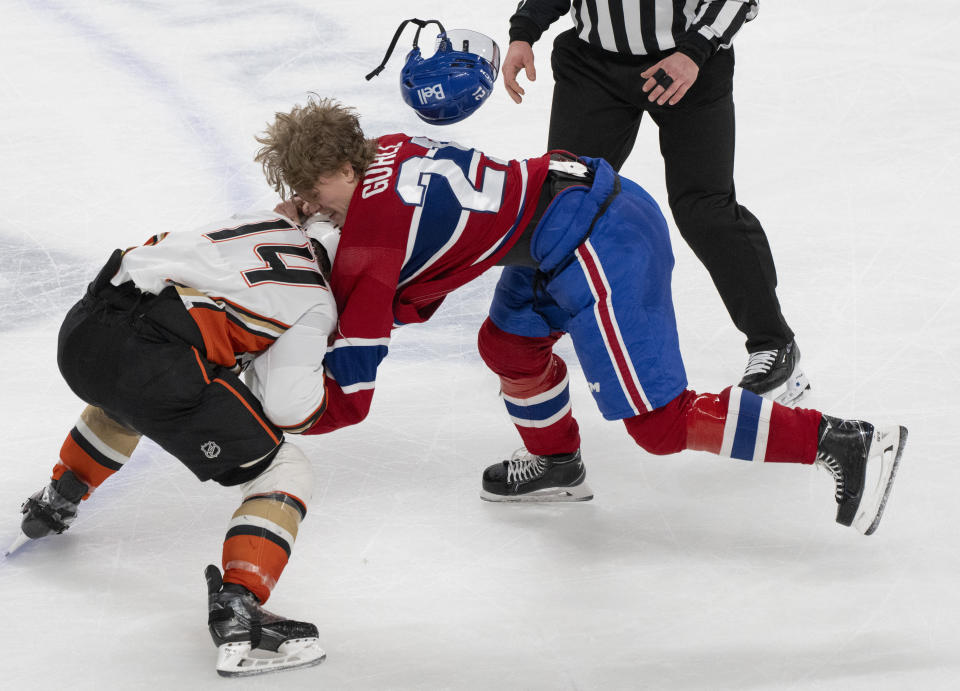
column 324, row 238
column 452, row 83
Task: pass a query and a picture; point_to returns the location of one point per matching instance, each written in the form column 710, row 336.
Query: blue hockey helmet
column 453, row 82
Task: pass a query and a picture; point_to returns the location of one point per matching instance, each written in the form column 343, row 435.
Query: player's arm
column 288, row 377
column 365, row 281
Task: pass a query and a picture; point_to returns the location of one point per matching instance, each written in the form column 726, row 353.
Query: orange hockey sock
column 96, row 448
column 259, row 541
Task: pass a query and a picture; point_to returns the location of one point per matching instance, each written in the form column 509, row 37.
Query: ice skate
column 250, row 640
column 527, row 477
column 50, row 510
column 863, row 460
column 776, row 374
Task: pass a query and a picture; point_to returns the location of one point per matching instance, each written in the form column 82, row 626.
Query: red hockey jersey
column 426, row 218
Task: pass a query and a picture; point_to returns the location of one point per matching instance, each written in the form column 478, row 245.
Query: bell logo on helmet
column 428, row 92
column 454, row 81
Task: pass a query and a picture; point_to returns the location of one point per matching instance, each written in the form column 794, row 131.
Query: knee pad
column 663, row 430
column 289, row 473
column 512, row 356
column 494, row 345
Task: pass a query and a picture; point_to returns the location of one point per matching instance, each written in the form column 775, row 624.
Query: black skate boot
column 252, row 640
column 527, row 477
column 51, row 509
column 863, row 460
column 776, row 374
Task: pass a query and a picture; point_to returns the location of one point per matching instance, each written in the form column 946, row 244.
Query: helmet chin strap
column 421, row 24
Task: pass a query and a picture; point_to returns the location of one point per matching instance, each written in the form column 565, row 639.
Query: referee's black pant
column 597, row 106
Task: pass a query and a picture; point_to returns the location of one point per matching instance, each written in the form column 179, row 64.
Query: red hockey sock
column 535, row 388
column 734, row 423
column 539, row 406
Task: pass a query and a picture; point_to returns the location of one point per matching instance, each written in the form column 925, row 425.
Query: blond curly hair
column 310, row 141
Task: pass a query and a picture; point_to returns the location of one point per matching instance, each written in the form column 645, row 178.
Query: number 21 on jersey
column 415, row 172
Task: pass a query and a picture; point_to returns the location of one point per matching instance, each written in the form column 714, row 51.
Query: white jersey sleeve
column 288, row 378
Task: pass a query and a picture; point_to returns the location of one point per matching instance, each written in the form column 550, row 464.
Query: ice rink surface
column 119, row 120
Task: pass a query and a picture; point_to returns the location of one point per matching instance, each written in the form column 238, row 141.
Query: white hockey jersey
column 253, row 286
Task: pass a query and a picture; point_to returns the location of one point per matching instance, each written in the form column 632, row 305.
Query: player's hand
column 519, row 56
column 296, row 209
column 682, row 73
column 290, row 209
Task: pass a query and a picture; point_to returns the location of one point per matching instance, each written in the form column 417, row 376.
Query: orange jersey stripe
column 224, row 339
column 250, row 313
column 203, row 370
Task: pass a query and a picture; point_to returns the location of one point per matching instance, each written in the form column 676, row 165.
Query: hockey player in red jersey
column 155, row 347
column 586, row 252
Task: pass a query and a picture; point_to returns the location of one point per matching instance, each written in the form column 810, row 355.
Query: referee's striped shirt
column 697, row 28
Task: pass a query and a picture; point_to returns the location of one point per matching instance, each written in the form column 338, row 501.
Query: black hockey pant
column 140, row 359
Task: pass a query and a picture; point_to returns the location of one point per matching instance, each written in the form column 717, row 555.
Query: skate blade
column 239, row 660
column 885, row 449
column 581, row 492
column 21, row 540
column 791, row 391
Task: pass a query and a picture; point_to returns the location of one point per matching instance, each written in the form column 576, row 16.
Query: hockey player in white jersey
column 155, row 348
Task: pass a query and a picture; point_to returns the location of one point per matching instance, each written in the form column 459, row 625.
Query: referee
column 673, row 60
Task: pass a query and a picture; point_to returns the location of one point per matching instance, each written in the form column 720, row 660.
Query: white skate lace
column 833, row 466
column 760, row 362
column 524, row 466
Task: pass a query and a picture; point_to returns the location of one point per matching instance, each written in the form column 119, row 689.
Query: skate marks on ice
column 109, row 37
column 37, row 281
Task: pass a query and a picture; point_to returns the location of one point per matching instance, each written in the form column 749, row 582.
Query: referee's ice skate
column 776, row 374
column 863, row 460
column 528, row 477
column 249, row 639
